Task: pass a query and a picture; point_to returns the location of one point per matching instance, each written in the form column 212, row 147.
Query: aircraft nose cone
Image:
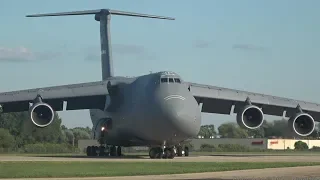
column 183, row 114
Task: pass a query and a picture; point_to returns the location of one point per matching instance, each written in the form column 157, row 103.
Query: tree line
column 275, row 129
column 18, row 131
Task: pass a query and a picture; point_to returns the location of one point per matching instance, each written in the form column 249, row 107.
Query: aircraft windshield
column 164, row 80
column 170, row 80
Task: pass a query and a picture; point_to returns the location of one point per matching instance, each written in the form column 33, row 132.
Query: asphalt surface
column 212, row 158
column 312, row 172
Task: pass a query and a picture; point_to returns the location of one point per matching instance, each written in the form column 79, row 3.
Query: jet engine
column 41, row 114
column 102, row 127
column 302, row 124
column 250, row 117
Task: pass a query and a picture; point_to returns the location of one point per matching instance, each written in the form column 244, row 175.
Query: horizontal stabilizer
column 98, row 11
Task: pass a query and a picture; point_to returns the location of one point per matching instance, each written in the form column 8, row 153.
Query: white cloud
column 16, row 54
column 202, row 44
column 23, row 54
column 249, row 47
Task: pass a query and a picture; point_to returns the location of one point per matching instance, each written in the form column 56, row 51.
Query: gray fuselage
column 148, row 110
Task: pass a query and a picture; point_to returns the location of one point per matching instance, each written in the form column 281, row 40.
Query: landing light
column 102, row 128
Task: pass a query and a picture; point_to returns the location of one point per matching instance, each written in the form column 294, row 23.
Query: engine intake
column 250, row 117
column 102, row 127
column 302, row 124
column 41, row 114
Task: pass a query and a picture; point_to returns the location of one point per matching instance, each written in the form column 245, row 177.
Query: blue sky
column 271, row 47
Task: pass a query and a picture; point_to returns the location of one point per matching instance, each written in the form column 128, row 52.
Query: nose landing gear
column 162, row 153
column 167, row 152
column 180, row 151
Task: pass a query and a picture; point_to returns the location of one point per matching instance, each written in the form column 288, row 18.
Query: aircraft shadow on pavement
column 210, row 179
column 97, row 157
column 240, row 155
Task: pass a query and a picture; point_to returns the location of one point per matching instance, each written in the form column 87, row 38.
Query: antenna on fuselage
column 103, row 16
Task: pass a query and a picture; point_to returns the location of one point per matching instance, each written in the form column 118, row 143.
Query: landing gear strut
column 186, row 151
column 165, row 153
column 180, row 151
column 168, row 153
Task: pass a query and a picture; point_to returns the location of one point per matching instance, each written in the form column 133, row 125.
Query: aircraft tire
column 93, row 151
column 179, row 151
column 166, row 153
column 88, row 150
column 113, row 151
column 101, row 151
column 156, row 153
column 159, row 151
column 186, row 151
column 96, row 149
column 153, row 153
column 171, row 154
column 119, row 151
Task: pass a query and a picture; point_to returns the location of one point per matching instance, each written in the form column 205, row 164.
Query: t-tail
column 103, row 16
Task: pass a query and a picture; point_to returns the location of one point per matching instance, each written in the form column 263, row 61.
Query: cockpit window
column 163, row 80
column 170, row 80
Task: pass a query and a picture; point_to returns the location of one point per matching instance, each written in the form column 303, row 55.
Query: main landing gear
column 167, row 153
column 103, row 151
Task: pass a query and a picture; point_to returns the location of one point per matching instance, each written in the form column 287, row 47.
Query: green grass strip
column 96, row 169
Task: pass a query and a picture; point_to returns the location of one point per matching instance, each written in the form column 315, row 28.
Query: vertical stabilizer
column 106, row 50
column 104, row 17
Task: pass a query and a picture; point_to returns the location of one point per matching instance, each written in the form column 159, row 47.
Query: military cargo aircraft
column 159, row 110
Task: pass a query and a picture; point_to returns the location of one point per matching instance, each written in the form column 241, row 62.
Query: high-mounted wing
column 77, row 96
column 220, row 100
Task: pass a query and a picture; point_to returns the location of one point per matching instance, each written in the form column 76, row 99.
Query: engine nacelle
column 250, row 117
column 102, row 127
column 302, row 124
column 41, row 114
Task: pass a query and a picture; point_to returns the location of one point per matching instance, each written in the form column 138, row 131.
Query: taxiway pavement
column 212, row 158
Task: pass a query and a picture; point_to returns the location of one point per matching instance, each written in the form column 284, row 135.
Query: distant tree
column 277, row 128
column 49, row 134
column 12, row 122
column 6, row 139
column 256, row 133
column 24, row 132
column 86, row 129
column 69, row 136
column 316, row 133
column 232, row 130
column 299, row 145
column 80, row 133
column 63, row 127
column 207, row 131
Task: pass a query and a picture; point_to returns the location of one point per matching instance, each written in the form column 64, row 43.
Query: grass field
column 95, row 169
